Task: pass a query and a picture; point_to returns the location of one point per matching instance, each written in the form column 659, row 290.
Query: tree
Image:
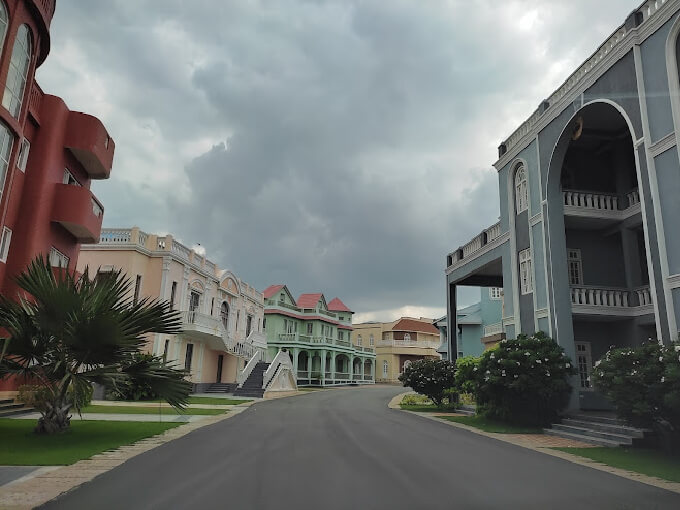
column 524, row 380
column 429, row 377
column 68, row 332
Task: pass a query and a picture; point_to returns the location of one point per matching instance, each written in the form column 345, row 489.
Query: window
column 310, row 328
column 249, row 325
column 237, row 318
column 407, row 337
column 138, row 287
column 341, row 335
column 575, row 268
column 3, row 24
column 495, row 292
column 521, row 190
column 58, row 259
column 6, row 142
column 224, row 314
column 23, row 154
column 258, row 324
column 165, row 350
column 282, row 298
column 17, row 74
column 385, row 368
column 584, row 362
column 194, row 301
column 264, row 323
column 4, row 244
column 370, row 340
column 187, row 358
column 358, row 339
column 173, row 293
column 526, row 281
column 69, row 179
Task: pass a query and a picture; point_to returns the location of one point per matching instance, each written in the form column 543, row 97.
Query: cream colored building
column 397, row 344
column 222, row 316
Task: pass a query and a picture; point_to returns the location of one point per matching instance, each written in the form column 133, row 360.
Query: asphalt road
column 344, row 449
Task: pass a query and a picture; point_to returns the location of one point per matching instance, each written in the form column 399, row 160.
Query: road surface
column 345, row 449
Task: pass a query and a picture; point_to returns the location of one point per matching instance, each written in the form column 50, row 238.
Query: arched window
column 224, row 314
column 370, row 340
column 385, row 368
column 407, row 337
column 406, row 364
column 358, row 339
column 3, row 24
column 18, row 72
column 521, row 190
column 6, row 141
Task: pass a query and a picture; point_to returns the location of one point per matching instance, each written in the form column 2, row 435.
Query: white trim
column 544, row 202
column 4, row 245
column 542, row 313
column 604, row 214
column 612, row 311
column 674, row 281
column 503, row 238
column 663, row 144
column 654, row 190
column 512, row 231
column 536, row 219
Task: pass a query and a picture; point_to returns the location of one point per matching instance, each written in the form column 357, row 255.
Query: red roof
column 271, row 290
column 414, row 325
column 308, row 300
column 338, row 306
column 308, row 317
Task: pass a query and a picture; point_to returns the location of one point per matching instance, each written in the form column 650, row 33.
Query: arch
column 224, row 314
column 17, row 75
column 6, row 143
column 521, row 188
column 385, row 368
column 226, row 278
column 405, row 365
column 555, row 239
column 197, row 284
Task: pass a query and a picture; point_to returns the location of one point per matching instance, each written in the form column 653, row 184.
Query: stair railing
column 247, row 370
column 280, row 361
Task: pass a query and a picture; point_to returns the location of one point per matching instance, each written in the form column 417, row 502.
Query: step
column 15, row 412
column 582, row 438
column 585, row 431
column 596, row 419
column 605, row 427
column 6, row 401
column 4, row 407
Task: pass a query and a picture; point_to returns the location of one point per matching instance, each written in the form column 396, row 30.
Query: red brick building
column 48, row 154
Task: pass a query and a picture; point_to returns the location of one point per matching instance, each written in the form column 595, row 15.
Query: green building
column 316, row 334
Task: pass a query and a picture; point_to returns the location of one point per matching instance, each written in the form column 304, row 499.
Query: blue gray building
column 586, row 248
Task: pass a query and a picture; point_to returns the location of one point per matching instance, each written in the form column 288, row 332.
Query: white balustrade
column 599, row 201
column 201, row 320
column 423, row 344
column 649, row 8
column 493, row 329
column 247, row 370
column 633, row 198
column 472, row 246
column 493, row 232
column 115, row 236
column 281, row 361
column 597, row 296
column 644, row 296
column 180, row 250
column 143, row 236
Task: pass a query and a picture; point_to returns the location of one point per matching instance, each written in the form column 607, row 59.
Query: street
column 343, row 449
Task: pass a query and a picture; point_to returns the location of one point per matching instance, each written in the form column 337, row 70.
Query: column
column 451, row 326
column 351, row 367
column 323, row 367
column 333, row 355
column 631, row 258
column 295, row 352
column 363, row 368
column 373, row 368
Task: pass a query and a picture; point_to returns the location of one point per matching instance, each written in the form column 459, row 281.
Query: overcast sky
column 339, row 146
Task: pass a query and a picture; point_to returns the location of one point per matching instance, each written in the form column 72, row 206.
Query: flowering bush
column 430, row 377
column 643, row 383
column 524, row 381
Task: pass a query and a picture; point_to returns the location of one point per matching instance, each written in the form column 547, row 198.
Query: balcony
column 424, row 344
column 588, row 300
column 604, row 208
column 481, row 243
column 77, row 210
column 87, row 138
column 201, row 326
column 493, row 329
column 320, row 341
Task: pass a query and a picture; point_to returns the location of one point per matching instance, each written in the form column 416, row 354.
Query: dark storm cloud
column 340, row 146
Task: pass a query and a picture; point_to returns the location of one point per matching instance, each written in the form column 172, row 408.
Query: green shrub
column 429, row 377
column 416, row 400
column 524, row 380
column 133, row 389
column 466, row 374
column 643, row 383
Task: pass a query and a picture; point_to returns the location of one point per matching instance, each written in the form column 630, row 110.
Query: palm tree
column 68, row 332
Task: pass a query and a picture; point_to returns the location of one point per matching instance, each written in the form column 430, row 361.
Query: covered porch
column 332, row 368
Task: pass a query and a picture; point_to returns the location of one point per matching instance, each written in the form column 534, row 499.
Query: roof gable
column 336, row 305
column 414, row 325
column 271, row 290
column 310, row 300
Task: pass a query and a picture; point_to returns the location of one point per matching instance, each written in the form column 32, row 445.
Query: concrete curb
column 51, row 483
column 575, row 459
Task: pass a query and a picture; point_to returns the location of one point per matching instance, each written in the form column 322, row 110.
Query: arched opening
column 356, row 368
column 368, row 370
column 598, row 270
column 17, row 75
column 224, row 315
column 521, row 190
column 342, row 366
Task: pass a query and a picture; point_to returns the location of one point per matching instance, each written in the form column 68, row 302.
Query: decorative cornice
column 674, row 281
column 536, row 218
column 542, row 313
column 662, row 145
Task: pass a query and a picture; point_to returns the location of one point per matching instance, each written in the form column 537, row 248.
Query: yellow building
column 397, row 344
column 222, row 316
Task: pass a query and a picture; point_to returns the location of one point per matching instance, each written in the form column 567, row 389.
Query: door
column 584, row 363
column 220, row 361
column 194, row 300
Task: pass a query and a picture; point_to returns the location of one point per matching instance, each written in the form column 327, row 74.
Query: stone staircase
column 252, row 387
column 9, row 407
column 221, row 388
column 598, row 429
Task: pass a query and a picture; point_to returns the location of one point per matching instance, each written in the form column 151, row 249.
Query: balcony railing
column 477, row 243
column 612, row 298
column 424, row 344
column 493, row 329
column 600, row 201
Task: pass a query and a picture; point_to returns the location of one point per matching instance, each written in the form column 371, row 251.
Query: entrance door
column 220, row 361
column 194, row 300
column 584, row 363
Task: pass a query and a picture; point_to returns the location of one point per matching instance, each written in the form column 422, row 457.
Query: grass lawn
column 497, row 427
column 639, row 460
column 147, row 410
column 424, row 408
column 21, row 447
column 217, row 401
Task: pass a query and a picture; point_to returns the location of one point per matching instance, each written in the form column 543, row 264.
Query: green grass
column 424, row 408
column 217, row 401
column 496, row 427
column 147, row 410
column 644, row 461
column 21, row 447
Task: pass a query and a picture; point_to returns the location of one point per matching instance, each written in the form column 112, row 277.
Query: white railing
column 644, row 296
column 424, row 344
column 633, row 198
column 247, row 370
column 143, row 236
column 493, row 232
column 115, row 236
column 202, row 320
column 341, row 375
column 493, row 329
column 180, row 249
column 650, row 8
column 599, row 201
column 280, row 361
column 598, row 296
column 472, row 246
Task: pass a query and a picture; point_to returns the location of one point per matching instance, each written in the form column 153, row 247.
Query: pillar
column 363, row 362
column 333, row 355
column 451, row 326
column 323, row 367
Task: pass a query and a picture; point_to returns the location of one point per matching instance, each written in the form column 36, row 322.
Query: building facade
column 317, row 335
column 585, row 249
column 397, row 344
column 48, row 156
column 222, row 316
